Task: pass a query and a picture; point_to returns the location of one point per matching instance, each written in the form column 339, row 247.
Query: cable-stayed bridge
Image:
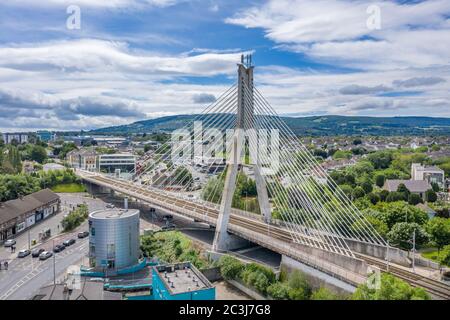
column 298, row 210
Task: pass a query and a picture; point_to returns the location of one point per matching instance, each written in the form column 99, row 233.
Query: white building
column 429, row 174
column 116, row 163
column 19, row 137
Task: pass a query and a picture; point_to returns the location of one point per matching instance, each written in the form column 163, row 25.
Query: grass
column 69, row 188
column 432, row 255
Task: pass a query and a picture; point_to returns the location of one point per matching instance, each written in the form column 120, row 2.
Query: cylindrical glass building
column 114, row 238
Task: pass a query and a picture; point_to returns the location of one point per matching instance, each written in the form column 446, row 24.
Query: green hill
column 315, row 125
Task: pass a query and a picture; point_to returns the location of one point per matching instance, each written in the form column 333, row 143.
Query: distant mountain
column 315, row 125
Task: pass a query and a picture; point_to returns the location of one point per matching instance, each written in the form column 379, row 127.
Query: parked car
column 23, row 253
column 9, row 243
column 58, row 248
column 168, row 217
column 69, row 242
column 83, row 234
column 36, row 252
column 45, row 255
column 109, row 206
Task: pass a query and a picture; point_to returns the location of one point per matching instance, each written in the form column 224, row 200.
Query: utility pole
column 54, row 264
column 387, row 256
column 29, row 239
column 414, row 251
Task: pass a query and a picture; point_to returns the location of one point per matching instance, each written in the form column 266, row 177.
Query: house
column 18, row 215
column 82, row 159
column 431, row 174
column 414, row 186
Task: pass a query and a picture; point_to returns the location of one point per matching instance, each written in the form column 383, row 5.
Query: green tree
column 444, row 257
column 373, row 198
column 439, row 231
column 430, row 195
column 396, row 196
column 38, row 154
column 380, row 179
column 414, row 199
column 391, row 288
column 358, row 192
column 401, row 235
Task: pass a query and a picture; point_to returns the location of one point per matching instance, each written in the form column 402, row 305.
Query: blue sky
column 137, row 59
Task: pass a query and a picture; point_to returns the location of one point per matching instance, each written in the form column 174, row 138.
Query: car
column 58, row 248
column 168, row 217
column 36, row 252
column 69, row 242
column 109, row 206
column 45, row 255
column 23, row 253
column 83, row 234
column 9, row 243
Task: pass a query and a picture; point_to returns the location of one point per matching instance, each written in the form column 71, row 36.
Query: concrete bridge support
column 222, row 239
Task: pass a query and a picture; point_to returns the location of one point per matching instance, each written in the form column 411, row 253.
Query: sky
column 129, row 60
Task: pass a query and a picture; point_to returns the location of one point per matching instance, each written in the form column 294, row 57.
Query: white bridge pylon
column 241, row 133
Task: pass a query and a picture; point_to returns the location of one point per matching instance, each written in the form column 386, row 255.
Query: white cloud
column 415, row 34
column 95, row 3
column 91, row 83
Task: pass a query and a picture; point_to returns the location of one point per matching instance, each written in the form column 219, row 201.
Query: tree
column 430, row 195
column 391, row 288
column 379, row 180
column 444, row 257
column 439, row 231
column 401, row 235
column 373, row 197
column 38, row 154
column 357, row 141
column 414, row 199
column 403, row 189
column 380, row 159
column 358, row 192
column 435, row 187
column 396, row 196
column 367, row 186
column 383, row 195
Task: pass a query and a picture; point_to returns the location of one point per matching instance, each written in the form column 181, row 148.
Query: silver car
column 9, row 243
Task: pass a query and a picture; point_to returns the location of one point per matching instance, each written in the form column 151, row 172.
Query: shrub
column 391, row 288
column 258, row 276
column 300, row 288
column 323, row 294
column 230, row 268
column 278, row 291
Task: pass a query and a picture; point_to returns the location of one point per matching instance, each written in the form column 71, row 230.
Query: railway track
column 434, row 287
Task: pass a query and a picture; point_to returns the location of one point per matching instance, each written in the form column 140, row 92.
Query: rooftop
column 14, row 208
column 114, row 213
column 411, row 185
column 182, row 277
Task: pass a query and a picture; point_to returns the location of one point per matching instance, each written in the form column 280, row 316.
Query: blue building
column 45, row 136
column 181, row 281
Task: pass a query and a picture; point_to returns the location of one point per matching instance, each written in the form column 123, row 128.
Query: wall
column 395, row 255
column 315, row 277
